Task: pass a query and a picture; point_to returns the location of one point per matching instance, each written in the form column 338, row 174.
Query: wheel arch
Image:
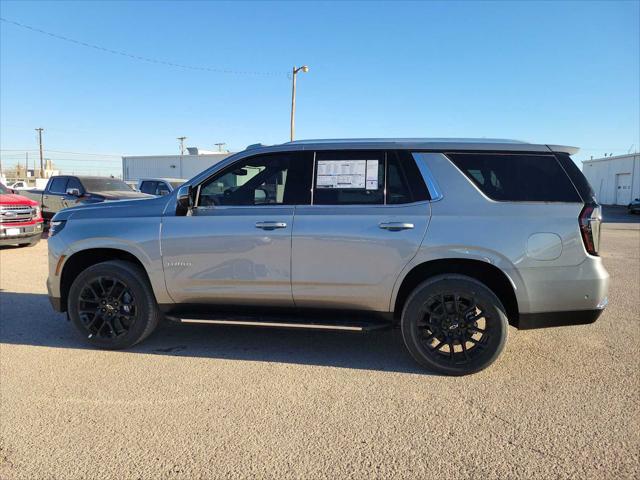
column 83, row 259
column 490, row 275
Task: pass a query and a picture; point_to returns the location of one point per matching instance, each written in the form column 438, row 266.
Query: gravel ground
column 210, row 402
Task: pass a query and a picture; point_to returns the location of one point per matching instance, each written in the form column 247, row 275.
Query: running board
column 302, row 324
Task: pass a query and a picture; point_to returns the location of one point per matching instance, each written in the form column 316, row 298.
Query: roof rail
column 254, row 146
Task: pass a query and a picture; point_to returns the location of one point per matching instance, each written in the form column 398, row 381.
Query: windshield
column 3, row 189
column 105, row 185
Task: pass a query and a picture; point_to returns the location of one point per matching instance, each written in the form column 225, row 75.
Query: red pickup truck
column 20, row 219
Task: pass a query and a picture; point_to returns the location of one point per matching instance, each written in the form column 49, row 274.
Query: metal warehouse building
column 169, row 166
column 615, row 180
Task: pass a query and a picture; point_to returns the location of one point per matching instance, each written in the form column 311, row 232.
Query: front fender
column 140, row 238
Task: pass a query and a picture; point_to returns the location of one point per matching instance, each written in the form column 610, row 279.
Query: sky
column 545, row 72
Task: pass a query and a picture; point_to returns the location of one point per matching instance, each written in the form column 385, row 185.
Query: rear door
column 236, row 246
column 370, row 211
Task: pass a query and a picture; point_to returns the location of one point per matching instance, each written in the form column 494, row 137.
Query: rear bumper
column 529, row 321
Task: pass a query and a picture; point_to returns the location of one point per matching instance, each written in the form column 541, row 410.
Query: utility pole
column 39, row 130
column 182, row 139
column 295, row 71
column 220, row 145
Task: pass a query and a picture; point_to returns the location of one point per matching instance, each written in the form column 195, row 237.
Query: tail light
column 589, row 221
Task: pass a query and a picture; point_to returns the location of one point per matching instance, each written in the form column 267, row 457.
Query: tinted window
column 4, row 190
column 148, row 187
column 517, row 177
column 58, row 185
column 577, row 177
column 105, row 185
column 349, row 178
column 162, row 189
column 272, row 179
column 404, row 180
column 74, row 183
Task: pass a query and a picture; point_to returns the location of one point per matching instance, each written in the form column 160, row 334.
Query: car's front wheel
column 454, row 324
column 112, row 305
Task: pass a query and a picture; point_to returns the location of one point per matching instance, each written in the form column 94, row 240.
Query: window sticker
column 347, row 174
column 372, row 175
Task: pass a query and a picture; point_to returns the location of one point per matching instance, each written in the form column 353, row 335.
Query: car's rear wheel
column 454, row 324
column 112, row 305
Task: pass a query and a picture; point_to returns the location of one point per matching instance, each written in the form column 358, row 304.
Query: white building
column 170, row 166
column 615, row 180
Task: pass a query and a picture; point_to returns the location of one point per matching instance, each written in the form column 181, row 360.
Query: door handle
column 270, row 225
column 396, row 226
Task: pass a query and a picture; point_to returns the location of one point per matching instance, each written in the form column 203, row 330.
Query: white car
column 159, row 186
column 20, row 185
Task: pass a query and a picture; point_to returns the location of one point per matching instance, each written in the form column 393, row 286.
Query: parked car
column 159, row 186
column 451, row 240
column 634, row 206
column 65, row 191
column 19, row 185
column 20, row 219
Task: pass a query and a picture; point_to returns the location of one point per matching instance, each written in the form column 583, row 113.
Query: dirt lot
column 203, row 402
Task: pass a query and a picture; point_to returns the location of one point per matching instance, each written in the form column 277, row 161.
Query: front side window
column 148, row 187
column 270, row 179
column 74, row 183
column 58, row 185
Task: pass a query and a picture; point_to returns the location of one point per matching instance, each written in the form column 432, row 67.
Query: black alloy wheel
column 107, row 308
column 113, row 305
column 454, row 324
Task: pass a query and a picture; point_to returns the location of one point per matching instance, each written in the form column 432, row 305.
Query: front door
column 369, row 215
column 235, row 248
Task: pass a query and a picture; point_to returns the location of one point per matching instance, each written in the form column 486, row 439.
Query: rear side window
column 58, row 185
column 517, row 177
column 577, row 177
column 404, row 180
column 349, row 178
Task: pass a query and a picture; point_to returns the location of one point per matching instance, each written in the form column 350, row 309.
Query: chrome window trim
column 432, row 185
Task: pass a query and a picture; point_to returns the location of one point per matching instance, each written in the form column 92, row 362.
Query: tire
column 454, row 325
column 112, row 305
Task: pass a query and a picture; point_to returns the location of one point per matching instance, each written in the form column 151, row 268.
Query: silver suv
column 451, row 240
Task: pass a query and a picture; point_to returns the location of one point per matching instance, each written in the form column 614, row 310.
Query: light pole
column 181, row 139
column 295, row 71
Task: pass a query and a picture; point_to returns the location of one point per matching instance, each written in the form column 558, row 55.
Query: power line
column 60, row 151
column 139, row 57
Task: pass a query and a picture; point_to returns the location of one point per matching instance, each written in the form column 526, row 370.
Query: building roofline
column 606, row 159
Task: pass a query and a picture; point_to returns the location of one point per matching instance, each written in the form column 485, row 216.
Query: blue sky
column 549, row 72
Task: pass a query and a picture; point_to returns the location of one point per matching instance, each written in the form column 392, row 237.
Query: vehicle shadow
column 27, row 319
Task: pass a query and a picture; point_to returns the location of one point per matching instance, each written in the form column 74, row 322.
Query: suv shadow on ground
column 27, row 319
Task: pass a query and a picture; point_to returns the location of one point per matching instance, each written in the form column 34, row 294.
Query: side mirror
column 73, row 191
column 184, row 200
